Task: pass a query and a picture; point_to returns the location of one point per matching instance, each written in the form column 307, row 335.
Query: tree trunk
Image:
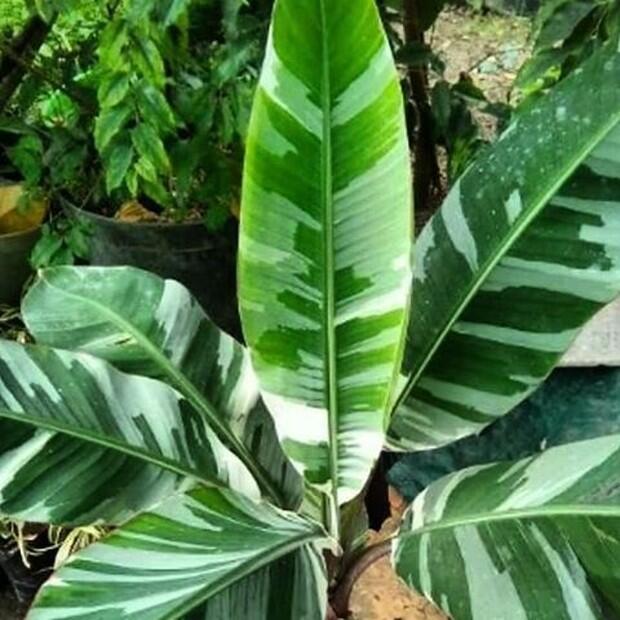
column 426, row 167
column 18, row 53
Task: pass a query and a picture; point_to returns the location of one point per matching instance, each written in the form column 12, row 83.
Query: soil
column 380, row 594
column 488, row 48
column 491, row 48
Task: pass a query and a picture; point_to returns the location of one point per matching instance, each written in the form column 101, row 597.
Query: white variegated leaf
column 86, row 414
column 326, row 236
column 524, row 251
column 149, row 326
column 196, row 556
column 537, row 539
column 50, row 477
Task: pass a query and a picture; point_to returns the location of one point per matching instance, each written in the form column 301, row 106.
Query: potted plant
column 20, row 227
column 170, row 97
column 233, row 477
column 141, row 112
column 23, row 207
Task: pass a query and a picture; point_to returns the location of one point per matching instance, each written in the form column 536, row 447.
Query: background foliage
column 140, row 101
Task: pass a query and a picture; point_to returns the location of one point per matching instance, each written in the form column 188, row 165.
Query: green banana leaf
column 326, row 237
column 538, row 538
column 153, row 327
column 525, row 249
column 88, row 401
column 48, row 477
column 299, row 584
column 167, row 563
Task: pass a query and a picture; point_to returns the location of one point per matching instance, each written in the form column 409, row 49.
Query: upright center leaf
column 326, row 236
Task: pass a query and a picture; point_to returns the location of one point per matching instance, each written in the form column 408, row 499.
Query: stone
column 599, row 343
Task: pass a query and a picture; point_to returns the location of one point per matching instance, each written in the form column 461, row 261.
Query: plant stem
column 340, row 600
column 331, row 614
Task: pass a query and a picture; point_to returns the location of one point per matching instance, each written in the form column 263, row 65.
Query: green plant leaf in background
column 153, row 327
column 113, row 89
column 415, row 54
column 522, row 254
column 537, row 538
column 147, row 58
column 326, row 236
column 154, row 108
column 563, row 22
column 119, row 157
column 230, row 16
column 565, row 33
column 428, row 11
column 169, row 561
column 174, row 11
column 109, row 124
column 147, row 171
column 111, row 43
column 26, row 157
column 149, row 145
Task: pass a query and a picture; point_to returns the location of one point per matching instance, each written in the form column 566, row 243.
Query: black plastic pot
column 15, row 250
column 518, row 7
column 23, row 582
column 202, row 261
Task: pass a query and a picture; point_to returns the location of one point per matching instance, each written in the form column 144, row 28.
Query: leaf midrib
column 492, row 262
column 558, row 510
column 185, row 387
column 329, row 271
column 105, row 441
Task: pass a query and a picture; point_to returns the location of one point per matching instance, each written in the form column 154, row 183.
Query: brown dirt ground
column 379, row 594
column 490, row 47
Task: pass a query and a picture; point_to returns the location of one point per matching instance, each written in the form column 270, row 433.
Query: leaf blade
column 323, row 268
column 149, row 145
column 146, row 325
column 52, row 478
column 181, row 554
column 84, row 398
column 534, row 546
column 109, row 123
column 502, row 291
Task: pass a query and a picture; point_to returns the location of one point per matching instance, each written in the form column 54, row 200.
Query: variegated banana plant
column 230, row 478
